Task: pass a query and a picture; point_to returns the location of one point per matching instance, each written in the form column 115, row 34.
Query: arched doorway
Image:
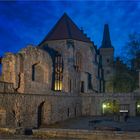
column 138, row 108
column 44, row 114
column 40, row 114
column 110, row 107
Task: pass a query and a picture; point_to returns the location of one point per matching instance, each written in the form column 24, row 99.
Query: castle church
column 65, row 76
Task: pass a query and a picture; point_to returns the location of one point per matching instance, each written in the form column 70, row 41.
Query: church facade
column 65, row 76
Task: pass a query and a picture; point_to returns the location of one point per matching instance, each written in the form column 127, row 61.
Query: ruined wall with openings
column 34, row 110
column 30, row 70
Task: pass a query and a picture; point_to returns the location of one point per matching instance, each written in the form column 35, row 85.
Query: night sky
column 23, row 23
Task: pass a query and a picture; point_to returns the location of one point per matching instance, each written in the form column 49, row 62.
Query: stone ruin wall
column 24, row 108
column 17, row 69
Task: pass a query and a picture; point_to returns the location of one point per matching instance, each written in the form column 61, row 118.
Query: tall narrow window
column 33, row 72
column 58, row 73
column 68, row 112
column 89, row 81
column 82, row 86
column 78, row 62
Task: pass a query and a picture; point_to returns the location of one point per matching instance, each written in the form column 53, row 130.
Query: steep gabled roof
column 106, row 42
column 65, row 28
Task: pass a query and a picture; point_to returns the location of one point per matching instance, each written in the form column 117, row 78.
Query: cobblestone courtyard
column 91, row 123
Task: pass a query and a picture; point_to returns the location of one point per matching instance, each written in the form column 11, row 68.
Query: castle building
column 66, row 60
column 65, row 76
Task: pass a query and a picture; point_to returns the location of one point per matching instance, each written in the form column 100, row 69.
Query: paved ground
column 18, row 137
column 90, row 123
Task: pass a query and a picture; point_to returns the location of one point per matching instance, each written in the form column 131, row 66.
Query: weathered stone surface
column 33, row 110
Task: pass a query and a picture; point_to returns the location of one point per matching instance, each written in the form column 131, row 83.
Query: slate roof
column 65, row 28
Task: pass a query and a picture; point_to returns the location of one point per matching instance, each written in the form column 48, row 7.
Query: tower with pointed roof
column 107, row 53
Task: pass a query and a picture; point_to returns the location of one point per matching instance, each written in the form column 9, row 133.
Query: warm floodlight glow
column 104, row 106
column 138, row 106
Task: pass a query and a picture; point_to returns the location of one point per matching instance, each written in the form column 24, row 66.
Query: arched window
column 37, row 73
column 58, row 72
column 33, row 72
column 78, row 61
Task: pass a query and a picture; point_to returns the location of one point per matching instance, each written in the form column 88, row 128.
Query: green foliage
column 132, row 48
column 125, row 79
column 126, row 67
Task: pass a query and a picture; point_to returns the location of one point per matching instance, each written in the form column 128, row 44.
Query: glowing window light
column 58, row 73
column 58, row 85
column 138, row 106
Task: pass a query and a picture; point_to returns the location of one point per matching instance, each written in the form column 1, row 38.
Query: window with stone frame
column 89, row 81
column 58, row 73
column 33, row 72
column 37, row 73
column 78, row 62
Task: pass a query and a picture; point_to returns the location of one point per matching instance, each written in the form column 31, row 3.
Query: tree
column 133, row 51
column 124, row 79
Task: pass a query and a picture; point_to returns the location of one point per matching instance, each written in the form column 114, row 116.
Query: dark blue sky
column 23, row 23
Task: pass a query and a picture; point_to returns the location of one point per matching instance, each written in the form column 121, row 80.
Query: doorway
column 82, row 86
column 40, row 114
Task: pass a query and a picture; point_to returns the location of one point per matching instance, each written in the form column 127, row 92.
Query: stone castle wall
column 33, row 110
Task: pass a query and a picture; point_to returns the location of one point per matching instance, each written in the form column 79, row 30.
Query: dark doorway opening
column 75, row 111
column 82, row 86
column 68, row 112
column 40, row 115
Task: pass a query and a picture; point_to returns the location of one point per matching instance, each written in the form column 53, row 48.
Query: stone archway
column 110, row 107
column 2, row 116
column 44, row 114
column 40, row 114
column 138, row 108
